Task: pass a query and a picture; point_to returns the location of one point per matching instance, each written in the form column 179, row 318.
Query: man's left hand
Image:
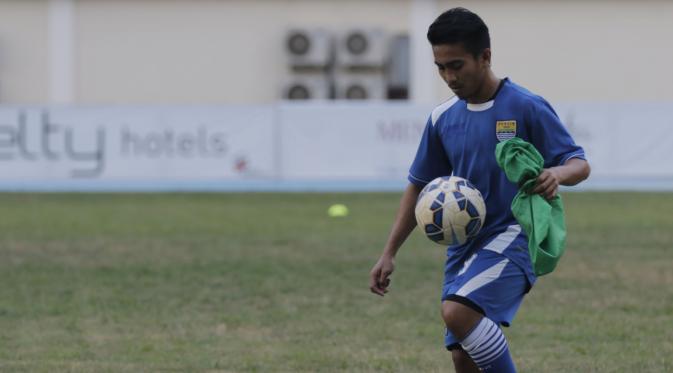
column 547, row 183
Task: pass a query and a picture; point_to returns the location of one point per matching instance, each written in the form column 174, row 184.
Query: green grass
column 267, row 282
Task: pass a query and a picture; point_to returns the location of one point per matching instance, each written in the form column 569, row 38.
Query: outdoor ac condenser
column 362, row 48
column 309, row 48
column 306, row 87
column 360, row 86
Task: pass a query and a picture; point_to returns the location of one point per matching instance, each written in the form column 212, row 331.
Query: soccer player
column 487, row 277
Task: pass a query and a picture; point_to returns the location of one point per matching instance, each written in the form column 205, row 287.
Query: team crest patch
column 505, row 129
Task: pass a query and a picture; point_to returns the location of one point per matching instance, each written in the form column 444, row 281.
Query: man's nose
column 449, row 77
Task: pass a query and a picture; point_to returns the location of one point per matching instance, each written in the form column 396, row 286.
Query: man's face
column 460, row 69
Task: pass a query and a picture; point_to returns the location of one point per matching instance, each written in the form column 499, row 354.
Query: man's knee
column 459, row 319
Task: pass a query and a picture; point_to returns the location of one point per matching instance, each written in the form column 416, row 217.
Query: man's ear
column 486, row 57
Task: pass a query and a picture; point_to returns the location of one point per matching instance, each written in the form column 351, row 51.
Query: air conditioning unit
column 360, row 86
column 307, row 87
column 362, row 48
column 309, row 48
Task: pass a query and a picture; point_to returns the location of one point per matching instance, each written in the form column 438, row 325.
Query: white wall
column 23, row 51
column 582, row 50
column 231, row 52
column 205, row 51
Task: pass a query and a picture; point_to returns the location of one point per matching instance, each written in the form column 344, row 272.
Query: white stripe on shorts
column 503, row 240
column 467, row 263
column 483, row 278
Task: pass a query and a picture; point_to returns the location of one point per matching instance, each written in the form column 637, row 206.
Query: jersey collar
column 480, row 107
column 488, row 104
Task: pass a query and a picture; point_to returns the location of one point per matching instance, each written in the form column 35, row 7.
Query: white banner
column 136, row 144
column 346, row 141
column 303, row 146
column 625, row 140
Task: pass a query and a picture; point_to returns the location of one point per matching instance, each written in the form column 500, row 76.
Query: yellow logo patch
column 505, row 129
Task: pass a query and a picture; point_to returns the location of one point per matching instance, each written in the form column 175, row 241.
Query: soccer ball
column 450, row 210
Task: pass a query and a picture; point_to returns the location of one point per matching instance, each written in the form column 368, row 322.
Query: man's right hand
column 379, row 277
column 405, row 221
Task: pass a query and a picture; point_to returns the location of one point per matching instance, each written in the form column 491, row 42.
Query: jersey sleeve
column 550, row 137
column 431, row 160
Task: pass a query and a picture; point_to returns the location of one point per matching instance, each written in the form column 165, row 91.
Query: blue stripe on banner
column 205, row 186
column 269, row 185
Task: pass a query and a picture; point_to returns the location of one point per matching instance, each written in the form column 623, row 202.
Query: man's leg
column 463, row 362
column 480, row 337
column 460, row 319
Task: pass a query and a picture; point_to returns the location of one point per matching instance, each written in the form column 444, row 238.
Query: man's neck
column 487, row 90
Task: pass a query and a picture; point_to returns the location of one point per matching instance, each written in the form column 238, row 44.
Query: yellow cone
column 337, row 211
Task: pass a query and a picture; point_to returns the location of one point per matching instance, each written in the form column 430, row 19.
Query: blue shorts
column 488, row 282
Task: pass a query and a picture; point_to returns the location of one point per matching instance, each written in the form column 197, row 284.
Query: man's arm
column 574, row 171
column 405, row 221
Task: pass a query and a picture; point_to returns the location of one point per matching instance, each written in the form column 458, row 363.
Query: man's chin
column 459, row 93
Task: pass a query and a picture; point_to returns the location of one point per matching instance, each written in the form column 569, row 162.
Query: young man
column 486, row 278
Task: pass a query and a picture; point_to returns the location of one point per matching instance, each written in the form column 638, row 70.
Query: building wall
column 231, row 52
column 202, row 51
column 23, row 52
column 582, row 50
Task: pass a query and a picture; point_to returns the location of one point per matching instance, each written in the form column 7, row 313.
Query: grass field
column 269, row 283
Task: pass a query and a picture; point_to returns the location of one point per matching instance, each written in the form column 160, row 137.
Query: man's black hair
column 459, row 25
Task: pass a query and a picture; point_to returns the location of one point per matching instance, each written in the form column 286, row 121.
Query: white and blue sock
column 487, row 346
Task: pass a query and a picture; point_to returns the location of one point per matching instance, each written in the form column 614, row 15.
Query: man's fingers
column 379, row 277
column 374, row 279
column 539, row 185
column 384, row 284
column 550, row 194
column 546, row 186
column 537, row 189
column 380, row 288
column 375, row 283
column 377, row 291
column 384, row 276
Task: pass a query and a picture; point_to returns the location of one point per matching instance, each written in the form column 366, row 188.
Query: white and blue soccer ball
column 450, row 210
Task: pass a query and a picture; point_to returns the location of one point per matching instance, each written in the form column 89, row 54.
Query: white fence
column 323, row 146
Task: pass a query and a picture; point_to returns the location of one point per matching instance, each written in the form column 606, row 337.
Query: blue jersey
column 460, row 139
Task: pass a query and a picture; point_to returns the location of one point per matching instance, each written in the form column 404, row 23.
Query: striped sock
column 487, row 346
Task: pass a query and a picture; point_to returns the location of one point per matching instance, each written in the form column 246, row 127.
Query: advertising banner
column 346, row 141
column 135, row 144
column 291, row 146
column 623, row 140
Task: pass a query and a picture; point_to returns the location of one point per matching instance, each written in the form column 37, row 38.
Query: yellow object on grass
column 337, row 210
